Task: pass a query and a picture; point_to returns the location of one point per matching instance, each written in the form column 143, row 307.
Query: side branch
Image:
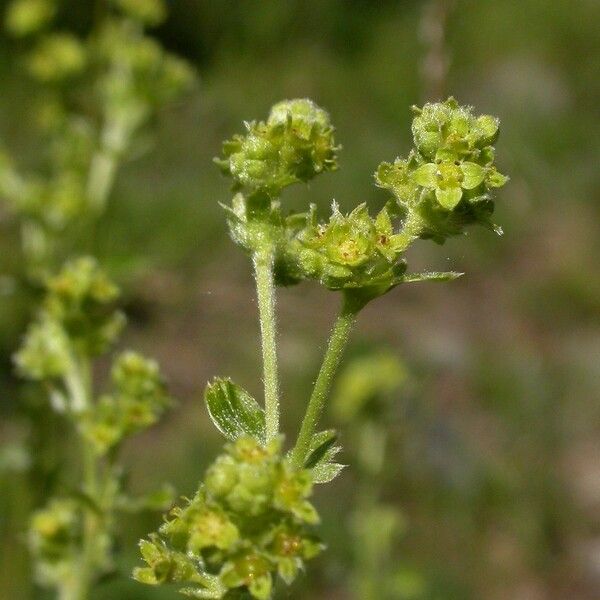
column 331, row 360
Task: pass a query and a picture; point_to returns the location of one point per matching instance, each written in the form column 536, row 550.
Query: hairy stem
column 265, row 289
column 331, row 360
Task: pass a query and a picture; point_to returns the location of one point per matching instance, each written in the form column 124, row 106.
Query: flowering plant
column 250, row 519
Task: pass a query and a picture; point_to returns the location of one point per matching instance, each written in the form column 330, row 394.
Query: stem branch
column 331, row 360
column 265, row 289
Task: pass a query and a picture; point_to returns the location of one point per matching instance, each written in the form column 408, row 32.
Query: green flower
column 246, row 524
column 351, row 251
column 449, row 179
column 295, row 144
column 81, row 298
column 139, row 399
column 54, row 539
column 448, row 131
column 45, row 352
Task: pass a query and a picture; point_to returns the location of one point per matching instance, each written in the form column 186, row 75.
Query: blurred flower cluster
column 95, row 94
column 246, row 524
column 77, row 322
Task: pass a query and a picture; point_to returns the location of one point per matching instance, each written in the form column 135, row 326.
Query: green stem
column 265, row 289
column 79, row 384
column 331, row 360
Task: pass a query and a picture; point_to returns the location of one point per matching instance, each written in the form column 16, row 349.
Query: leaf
column 321, row 452
column 234, row 411
column 319, row 446
column 324, row 473
column 160, row 500
column 430, row 276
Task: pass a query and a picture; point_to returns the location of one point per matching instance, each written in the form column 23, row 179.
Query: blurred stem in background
column 367, row 400
column 435, row 62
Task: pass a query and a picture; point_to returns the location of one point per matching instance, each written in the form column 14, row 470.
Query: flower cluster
column 137, row 402
column 78, row 321
column 445, row 184
column 247, row 523
column 125, row 77
column 293, row 145
column 71, row 538
column 352, row 251
column 78, row 315
column 54, row 537
column 447, row 181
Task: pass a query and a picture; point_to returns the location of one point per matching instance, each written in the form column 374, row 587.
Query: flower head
column 247, row 523
column 295, row 144
column 447, row 181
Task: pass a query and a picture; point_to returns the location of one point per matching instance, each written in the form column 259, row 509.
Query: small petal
column 449, row 198
column 425, row 175
column 473, row 175
column 495, row 179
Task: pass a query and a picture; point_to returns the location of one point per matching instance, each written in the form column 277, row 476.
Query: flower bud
column 81, row 297
column 137, row 402
column 149, row 12
column 25, row 17
column 57, row 57
column 45, row 351
column 295, row 144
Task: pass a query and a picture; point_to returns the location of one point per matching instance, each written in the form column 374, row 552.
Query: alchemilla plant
column 252, row 522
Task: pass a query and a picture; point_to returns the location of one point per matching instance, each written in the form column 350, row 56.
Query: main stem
column 265, row 289
column 331, row 360
column 81, row 399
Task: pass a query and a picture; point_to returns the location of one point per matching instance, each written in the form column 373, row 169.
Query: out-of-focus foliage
column 71, row 538
column 96, row 92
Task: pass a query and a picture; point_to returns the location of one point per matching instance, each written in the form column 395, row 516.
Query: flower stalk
column 265, row 291
column 336, row 345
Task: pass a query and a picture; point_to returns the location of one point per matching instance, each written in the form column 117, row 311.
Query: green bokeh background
column 496, row 454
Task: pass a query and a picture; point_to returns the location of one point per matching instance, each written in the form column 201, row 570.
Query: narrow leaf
column 430, row 276
column 234, row 411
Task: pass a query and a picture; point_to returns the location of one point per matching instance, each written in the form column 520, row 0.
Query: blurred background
column 491, row 471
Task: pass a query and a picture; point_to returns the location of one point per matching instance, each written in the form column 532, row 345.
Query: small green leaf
column 234, row 411
column 319, row 447
column 326, row 472
column 321, row 452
